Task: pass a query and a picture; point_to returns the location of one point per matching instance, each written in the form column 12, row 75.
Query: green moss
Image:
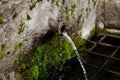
column 78, row 21
column 71, row 1
column 96, row 31
column 53, row 1
column 70, row 11
column 49, row 56
column 73, row 7
column 67, row 49
column 32, row 73
column 2, row 51
column 17, row 46
column 23, row 66
column 33, row 4
column 2, row 46
column 1, row 18
column 20, row 56
column 14, row 15
column 68, row 16
column 21, row 27
column 104, row 15
column 1, row 54
column 39, row 0
column 57, row 3
column 80, row 44
column 92, row 33
column 94, row 1
column 28, row 17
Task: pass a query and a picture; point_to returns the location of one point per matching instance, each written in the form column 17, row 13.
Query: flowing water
column 65, row 34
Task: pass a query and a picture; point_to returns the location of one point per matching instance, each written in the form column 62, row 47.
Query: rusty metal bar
column 105, row 44
column 112, row 36
column 92, row 43
column 104, row 64
column 111, row 45
column 101, row 43
column 107, row 70
column 90, row 52
column 102, row 38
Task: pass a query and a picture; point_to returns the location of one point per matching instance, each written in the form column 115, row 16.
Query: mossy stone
column 1, row 18
column 1, row 54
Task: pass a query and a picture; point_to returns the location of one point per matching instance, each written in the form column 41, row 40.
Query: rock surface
column 109, row 12
column 12, row 75
column 17, row 33
column 23, row 21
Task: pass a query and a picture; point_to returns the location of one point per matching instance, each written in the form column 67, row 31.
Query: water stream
column 65, row 34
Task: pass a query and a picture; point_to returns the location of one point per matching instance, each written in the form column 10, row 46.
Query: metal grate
column 104, row 55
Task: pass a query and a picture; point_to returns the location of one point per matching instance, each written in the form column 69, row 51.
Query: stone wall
column 109, row 13
column 18, row 27
column 23, row 21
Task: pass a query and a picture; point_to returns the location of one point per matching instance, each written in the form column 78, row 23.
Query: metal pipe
column 57, row 26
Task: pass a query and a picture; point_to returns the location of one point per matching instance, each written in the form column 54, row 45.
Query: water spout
column 61, row 28
column 57, row 26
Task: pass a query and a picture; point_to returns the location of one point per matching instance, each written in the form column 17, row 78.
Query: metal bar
column 102, row 38
column 105, row 44
column 92, row 43
column 107, row 70
column 102, row 55
column 112, row 36
column 104, row 64
column 99, row 42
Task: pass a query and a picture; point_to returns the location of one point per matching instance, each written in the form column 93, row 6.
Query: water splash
column 61, row 75
column 65, row 34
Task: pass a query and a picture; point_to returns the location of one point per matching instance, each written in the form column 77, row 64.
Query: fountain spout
column 61, row 28
column 57, row 26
